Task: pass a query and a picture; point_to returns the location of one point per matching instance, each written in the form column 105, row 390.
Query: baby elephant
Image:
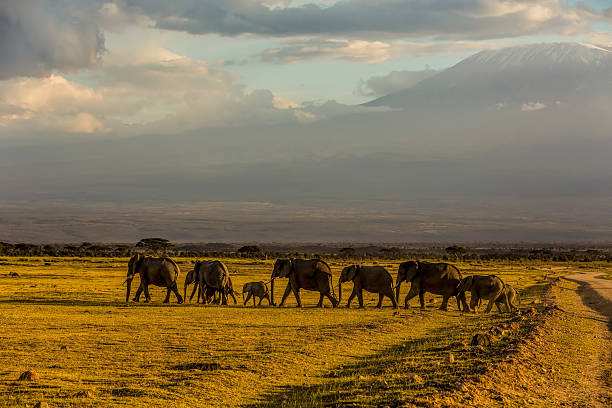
column 489, row 287
column 374, row 279
column 255, row 289
column 510, row 295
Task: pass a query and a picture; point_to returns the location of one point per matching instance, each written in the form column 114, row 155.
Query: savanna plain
column 66, row 319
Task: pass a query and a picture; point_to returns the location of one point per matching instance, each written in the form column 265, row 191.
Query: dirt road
column 598, row 289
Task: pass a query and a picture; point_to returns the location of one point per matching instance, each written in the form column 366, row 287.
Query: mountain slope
column 514, row 77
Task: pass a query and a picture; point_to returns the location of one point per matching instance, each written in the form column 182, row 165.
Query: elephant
column 192, row 277
column 487, row 287
column 511, row 294
column 211, row 293
column 374, row 279
column 437, row 278
column 309, row 274
column 255, row 289
column 213, row 275
column 152, row 271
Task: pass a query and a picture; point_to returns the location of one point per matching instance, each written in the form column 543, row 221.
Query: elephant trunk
column 185, row 291
column 272, row 291
column 398, row 285
column 128, row 289
column 339, row 291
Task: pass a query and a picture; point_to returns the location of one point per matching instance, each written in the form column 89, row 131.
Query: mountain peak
column 542, row 54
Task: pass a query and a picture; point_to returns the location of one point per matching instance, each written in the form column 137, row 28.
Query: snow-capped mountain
column 544, row 74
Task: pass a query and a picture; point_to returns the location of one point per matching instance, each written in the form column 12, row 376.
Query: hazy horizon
column 244, row 121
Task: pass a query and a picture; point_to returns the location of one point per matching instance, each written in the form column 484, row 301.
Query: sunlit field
column 66, row 318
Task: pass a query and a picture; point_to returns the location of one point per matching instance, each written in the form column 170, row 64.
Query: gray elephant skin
column 309, row 274
column 152, row 271
column 213, row 276
column 511, row 295
column 484, row 287
column 436, row 278
column 374, row 279
column 255, row 290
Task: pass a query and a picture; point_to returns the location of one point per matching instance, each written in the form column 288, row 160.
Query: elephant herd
column 212, row 281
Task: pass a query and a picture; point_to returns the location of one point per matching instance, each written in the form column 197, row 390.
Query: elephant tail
column 177, row 270
column 329, row 273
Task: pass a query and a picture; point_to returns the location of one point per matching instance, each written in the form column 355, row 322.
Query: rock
column 414, row 379
column 13, row 274
column 29, row 375
column 450, row 358
column 63, row 347
column 41, row 404
column 481, row 340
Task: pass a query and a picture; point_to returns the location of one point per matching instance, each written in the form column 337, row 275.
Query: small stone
column 536, row 302
column 13, row 274
column 63, row 347
column 29, row 375
column 450, row 358
column 481, row 340
column 361, row 377
column 414, row 379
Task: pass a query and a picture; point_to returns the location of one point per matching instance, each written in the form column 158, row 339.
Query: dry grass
column 66, row 319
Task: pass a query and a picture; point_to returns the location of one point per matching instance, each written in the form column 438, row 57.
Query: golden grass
column 66, row 319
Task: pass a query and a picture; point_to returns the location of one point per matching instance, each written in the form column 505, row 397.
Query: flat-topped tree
column 154, row 244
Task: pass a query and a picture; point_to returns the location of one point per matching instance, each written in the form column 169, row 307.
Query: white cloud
column 394, row 81
column 369, row 52
column 532, row 106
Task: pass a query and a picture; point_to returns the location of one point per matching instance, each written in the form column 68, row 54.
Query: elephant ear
column 352, row 273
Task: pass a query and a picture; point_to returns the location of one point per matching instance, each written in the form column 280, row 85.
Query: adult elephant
column 437, row 278
column 213, row 275
column 309, row 274
column 374, row 279
column 152, row 271
column 485, row 287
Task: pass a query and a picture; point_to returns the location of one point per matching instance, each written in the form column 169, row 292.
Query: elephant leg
column 422, row 299
column 350, row 299
column 332, row 299
column 137, row 294
column 499, row 309
column 224, row 296
column 463, row 299
column 174, row 289
column 249, row 295
column 260, row 300
column 196, row 286
column 320, row 304
column 287, row 292
column 145, row 287
column 360, row 298
column 167, row 299
column 409, row 296
column 507, row 304
column 444, row 305
column 380, row 299
column 490, row 305
column 296, row 293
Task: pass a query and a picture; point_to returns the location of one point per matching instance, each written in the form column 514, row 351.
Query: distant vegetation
column 454, row 252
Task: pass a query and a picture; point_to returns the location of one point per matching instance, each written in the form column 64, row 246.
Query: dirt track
column 600, row 290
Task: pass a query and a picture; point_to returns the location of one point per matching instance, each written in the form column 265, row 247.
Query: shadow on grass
column 388, row 378
column 83, row 302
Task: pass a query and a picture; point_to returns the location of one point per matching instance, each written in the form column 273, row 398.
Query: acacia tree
column 155, row 244
column 456, row 250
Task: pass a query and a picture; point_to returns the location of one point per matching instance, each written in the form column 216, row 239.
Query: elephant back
column 214, row 274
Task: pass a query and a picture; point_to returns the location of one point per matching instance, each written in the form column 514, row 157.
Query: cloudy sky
column 216, row 120
column 87, row 68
